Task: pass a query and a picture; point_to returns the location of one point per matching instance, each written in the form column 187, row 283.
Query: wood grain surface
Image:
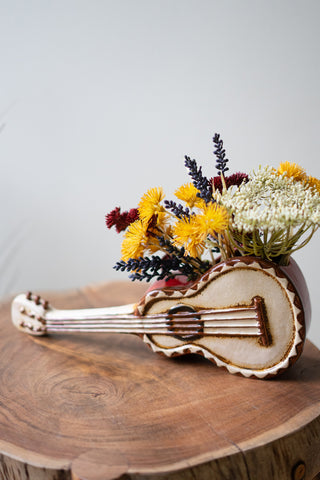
column 104, row 407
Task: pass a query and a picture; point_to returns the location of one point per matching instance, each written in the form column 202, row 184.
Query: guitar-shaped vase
column 245, row 314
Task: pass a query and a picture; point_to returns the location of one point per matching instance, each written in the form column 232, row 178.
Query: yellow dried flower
column 314, row 182
column 192, row 233
column 187, row 234
column 135, row 240
column 292, row 170
column 188, row 193
column 150, row 205
column 214, row 220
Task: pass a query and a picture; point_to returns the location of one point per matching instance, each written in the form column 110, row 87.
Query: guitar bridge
column 265, row 335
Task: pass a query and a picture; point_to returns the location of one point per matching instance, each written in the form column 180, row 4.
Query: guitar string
column 92, row 315
column 225, row 331
column 157, row 318
column 179, row 328
column 136, row 321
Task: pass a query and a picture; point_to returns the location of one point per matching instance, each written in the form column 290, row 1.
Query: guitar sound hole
column 185, row 326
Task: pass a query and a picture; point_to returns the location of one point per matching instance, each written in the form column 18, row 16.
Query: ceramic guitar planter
column 245, row 314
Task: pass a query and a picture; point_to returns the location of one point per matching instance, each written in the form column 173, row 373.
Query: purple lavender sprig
column 220, row 153
column 177, row 209
column 199, row 180
column 155, row 267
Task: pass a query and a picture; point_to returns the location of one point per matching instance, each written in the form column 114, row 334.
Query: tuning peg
column 38, row 329
column 29, row 296
column 45, row 304
column 37, row 300
column 41, row 320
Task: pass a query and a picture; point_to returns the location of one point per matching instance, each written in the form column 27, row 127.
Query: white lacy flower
column 272, row 202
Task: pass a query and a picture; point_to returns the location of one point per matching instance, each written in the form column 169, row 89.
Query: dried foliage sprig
column 270, row 214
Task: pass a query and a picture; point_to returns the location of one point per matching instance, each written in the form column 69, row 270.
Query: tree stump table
column 105, row 407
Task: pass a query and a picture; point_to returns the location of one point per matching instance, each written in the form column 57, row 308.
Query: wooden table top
column 105, row 407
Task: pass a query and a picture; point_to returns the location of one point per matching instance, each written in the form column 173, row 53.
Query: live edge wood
column 104, row 407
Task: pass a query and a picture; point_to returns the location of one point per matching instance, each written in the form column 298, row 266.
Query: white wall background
column 100, row 100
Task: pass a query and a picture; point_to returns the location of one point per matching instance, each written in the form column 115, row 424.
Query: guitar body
column 236, row 282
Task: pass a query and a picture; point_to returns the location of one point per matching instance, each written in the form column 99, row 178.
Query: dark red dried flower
column 132, row 215
column 235, row 179
column 121, row 220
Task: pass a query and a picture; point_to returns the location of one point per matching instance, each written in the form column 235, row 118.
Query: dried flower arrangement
column 269, row 213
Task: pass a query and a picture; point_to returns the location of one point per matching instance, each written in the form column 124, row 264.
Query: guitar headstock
column 28, row 314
